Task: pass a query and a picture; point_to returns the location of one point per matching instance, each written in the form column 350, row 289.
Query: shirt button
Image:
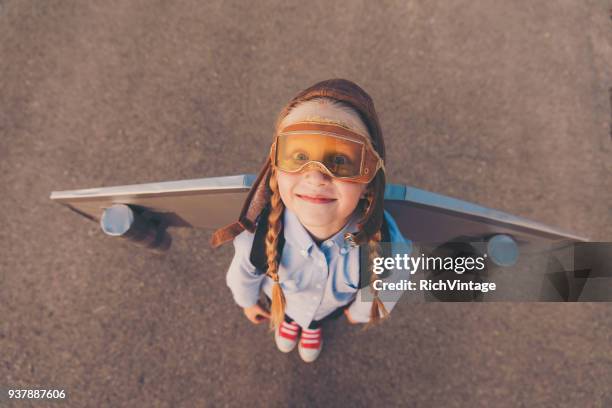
column 329, row 243
column 343, row 251
column 304, row 252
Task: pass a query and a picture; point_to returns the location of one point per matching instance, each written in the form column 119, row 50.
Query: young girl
column 316, row 205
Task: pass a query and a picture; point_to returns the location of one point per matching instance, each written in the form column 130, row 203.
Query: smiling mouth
column 316, row 200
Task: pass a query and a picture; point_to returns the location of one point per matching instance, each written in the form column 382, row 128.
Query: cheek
column 351, row 193
column 285, row 186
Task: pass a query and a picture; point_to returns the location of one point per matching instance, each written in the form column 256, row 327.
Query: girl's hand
column 348, row 316
column 256, row 314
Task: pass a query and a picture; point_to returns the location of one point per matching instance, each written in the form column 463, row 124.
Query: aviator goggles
column 333, row 149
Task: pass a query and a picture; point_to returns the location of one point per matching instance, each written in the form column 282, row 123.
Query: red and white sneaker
column 286, row 336
column 311, row 344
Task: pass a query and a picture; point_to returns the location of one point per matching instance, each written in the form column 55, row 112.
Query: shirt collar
column 297, row 236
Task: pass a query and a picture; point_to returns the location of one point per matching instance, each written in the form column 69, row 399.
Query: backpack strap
column 258, row 250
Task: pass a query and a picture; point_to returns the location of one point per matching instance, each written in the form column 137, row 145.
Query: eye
column 300, row 156
column 340, row 159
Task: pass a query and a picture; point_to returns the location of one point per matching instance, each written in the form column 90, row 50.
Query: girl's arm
column 241, row 277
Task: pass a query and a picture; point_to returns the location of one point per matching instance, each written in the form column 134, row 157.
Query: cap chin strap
column 256, row 200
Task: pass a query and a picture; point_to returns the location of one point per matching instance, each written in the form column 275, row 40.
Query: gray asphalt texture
column 505, row 104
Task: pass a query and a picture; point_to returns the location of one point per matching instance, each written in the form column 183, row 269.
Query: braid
column 378, row 311
column 275, row 224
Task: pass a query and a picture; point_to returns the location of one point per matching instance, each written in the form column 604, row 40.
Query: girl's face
column 322, row 203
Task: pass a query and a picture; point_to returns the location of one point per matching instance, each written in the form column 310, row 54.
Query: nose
column 316, row 177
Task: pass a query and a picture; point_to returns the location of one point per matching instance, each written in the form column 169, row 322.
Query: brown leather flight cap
column 259, row 194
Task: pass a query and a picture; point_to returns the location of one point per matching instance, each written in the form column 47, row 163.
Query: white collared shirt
column 315, row 280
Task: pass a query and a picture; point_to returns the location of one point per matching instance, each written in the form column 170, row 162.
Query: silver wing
column 213, row 202
column 434, row 222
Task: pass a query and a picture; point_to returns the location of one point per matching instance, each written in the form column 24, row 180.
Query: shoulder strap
column 258, row 250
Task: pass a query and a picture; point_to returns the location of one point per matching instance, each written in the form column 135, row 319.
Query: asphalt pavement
column 504, row 104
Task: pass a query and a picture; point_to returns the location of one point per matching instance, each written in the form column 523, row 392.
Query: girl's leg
column 315, row 324
column 311, row 341
column 286, row 335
